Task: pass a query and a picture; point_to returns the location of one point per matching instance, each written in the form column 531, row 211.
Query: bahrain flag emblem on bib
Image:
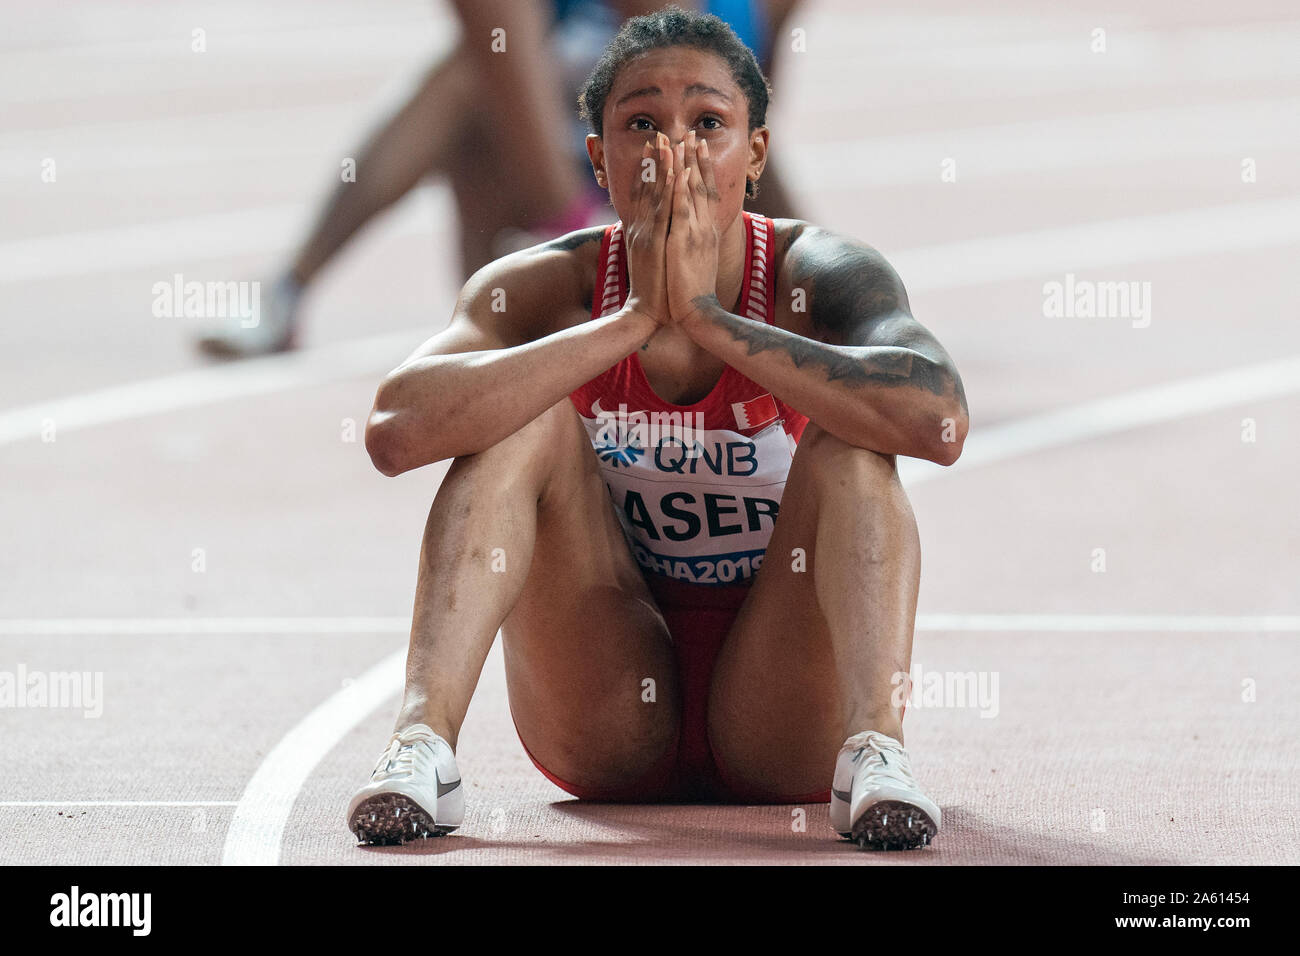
column 756, row 412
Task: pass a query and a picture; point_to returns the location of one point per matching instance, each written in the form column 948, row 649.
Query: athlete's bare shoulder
column 848, row 294
column 786, row 231
column 579, row 252
column 534, row 292
column 828, row 283
column 529, row 294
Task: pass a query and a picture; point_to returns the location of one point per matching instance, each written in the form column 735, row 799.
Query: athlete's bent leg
column 523, row 537
column 812, row 655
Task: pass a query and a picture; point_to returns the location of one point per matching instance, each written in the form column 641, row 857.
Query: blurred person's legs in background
column 491, row 118
column 773, row 199
column 488, row 116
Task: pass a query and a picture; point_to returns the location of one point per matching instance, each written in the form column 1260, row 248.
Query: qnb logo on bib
column 698, row 504
column 623, row 436
column 617, row 454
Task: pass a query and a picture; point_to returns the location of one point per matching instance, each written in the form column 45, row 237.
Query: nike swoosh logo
column 842, row 795
column 445, row 788
column 857, row 756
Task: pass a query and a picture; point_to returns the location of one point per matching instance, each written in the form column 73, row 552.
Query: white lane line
column 316, row 626
column 269, row 798
column 164, row 244
column 271, row 230
column 257, row 827
column 946, row 266
column 168, row 243
column 122, row 248
column 1050, row 253
column 1052, row 63
column 1113, row 623
column 364, row 37
column 1066, row 142
column 221, row 147
column 261, row 626
column 1002, row 57
column 1114, row 414
column 280, row 781
column 133, row 68
column 119, row 803
column 1074, row 141
column 214, row 383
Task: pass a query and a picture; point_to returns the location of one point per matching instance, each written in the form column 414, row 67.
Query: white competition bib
column 697, row 505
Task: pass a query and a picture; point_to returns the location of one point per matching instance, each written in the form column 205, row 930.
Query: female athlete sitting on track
column 673, row 484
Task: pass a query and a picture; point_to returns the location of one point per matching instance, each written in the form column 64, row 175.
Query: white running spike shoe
column 414, row 792
column 273, row 330
column 875, row 800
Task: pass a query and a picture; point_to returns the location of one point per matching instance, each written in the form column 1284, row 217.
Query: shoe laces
column 400, row 756
column 879, row 758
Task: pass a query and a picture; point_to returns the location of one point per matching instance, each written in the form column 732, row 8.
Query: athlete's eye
column 642, row 123
column 717, row 123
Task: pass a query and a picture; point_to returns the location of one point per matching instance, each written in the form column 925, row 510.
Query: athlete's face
column 673, row 91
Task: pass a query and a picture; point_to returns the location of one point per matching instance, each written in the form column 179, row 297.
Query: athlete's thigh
column 776, row 719
column 585, row 635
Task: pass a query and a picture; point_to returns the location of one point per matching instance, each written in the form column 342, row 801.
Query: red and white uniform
column 697, row 487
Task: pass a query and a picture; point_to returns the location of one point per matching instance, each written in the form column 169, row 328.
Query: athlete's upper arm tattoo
column 575, row 239
column 847, row 288
column 855, row 298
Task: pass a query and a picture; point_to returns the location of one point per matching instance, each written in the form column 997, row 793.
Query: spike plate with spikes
column 911, row 827
column 386, row 826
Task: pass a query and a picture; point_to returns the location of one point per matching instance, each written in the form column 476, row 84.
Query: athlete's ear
column 757, row 154
column 596, row 153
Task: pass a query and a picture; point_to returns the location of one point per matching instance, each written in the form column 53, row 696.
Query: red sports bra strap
column 608, row 295
column 762, row 270
column 758, row 291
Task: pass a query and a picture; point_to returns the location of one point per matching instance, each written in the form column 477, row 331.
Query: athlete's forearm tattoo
column 846, row 286
column 886, row 367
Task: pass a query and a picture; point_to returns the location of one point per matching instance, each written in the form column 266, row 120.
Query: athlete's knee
column 777, row 772
column 613, row 772
column 604, row 764
column 843, row 464
column 533, row 452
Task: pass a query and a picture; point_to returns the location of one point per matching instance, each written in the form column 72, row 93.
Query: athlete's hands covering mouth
column 646, row 235
column 692, row 247
column 672, row 240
